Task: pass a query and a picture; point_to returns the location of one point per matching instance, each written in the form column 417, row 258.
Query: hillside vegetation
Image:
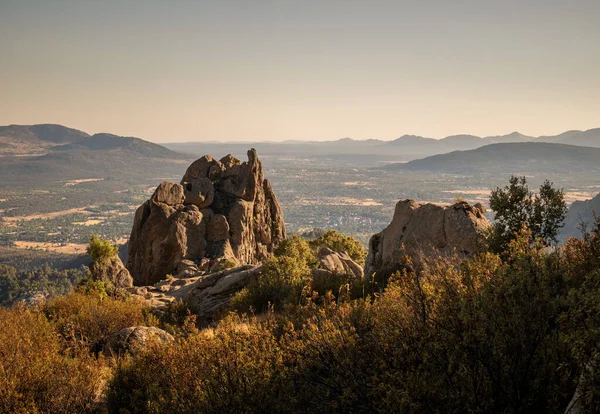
column 497, row 333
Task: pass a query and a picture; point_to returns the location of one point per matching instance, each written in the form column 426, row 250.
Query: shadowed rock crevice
column 223, row 213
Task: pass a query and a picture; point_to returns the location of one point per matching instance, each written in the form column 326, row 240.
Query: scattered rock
column 111, row 270
column 134, row 338
column 34, row 299
column 221, row 211
column 422, row 229
column 208, row 295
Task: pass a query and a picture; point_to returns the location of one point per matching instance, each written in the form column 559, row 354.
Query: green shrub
column 101, row 250
column 339, row 242
column 516, row 207
column 285, row 276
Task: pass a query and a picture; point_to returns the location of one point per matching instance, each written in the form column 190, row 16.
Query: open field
column 66, row 248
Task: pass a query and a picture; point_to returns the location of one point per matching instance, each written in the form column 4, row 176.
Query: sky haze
column 304, row 70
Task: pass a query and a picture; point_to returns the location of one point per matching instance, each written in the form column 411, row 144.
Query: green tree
column 516, row 207
column 100, row 249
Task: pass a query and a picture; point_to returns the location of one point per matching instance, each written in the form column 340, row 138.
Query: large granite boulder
column 111, row 270
column 419, row 230
column 222, row 213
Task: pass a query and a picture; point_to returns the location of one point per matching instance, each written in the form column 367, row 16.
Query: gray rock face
column 208, row 295
column 111, row 270
column 222, row 211
column 422, row 229
column 134, row 338
column 580, row 212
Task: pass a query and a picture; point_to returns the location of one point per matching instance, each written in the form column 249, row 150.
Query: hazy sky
column 312, row 69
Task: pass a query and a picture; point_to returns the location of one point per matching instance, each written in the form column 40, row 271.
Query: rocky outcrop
column 208, row 295
column 222, row 212
column 134, row 338
column 421, row 229
column 111, row 270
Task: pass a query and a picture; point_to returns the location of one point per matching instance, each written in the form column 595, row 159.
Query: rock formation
column 111, row 270
column 208, row 295
column 418, row 229
column 580, row 212
column 223, row 213
column 134, row 338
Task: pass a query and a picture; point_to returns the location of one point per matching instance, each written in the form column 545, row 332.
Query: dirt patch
column 54, row 214
column 85, row 180
column 91, row 222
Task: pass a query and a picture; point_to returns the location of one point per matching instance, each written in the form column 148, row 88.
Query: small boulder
column 168, row 193
column 134, row 339
column 339, row 263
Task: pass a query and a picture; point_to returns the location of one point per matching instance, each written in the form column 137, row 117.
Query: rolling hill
column 532, row 157
column 48, row 152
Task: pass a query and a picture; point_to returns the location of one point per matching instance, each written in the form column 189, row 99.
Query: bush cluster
column 496, row 333
column 287, row 277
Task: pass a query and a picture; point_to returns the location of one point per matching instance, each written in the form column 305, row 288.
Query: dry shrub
column 86, row 321
column 233, row 368
column 35, row 376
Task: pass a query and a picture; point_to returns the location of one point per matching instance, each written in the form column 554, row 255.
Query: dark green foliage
column 516, row 207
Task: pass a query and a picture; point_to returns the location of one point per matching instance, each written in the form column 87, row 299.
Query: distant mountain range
column 405, row 148
column 65, row 153
column 537, row 157
column 50, row 152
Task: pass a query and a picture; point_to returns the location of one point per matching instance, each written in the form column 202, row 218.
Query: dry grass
column 85, row 180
